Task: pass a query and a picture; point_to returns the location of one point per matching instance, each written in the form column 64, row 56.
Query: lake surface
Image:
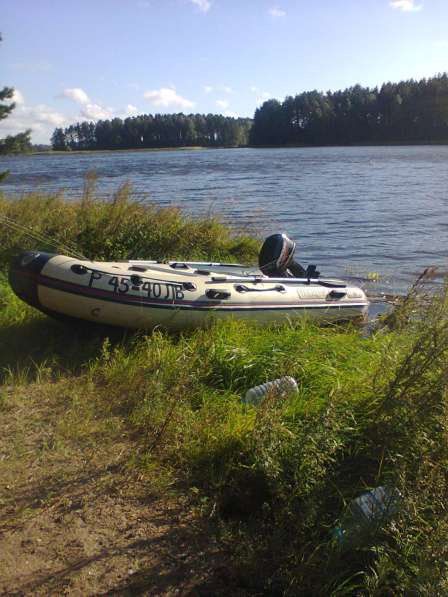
column 351, row 210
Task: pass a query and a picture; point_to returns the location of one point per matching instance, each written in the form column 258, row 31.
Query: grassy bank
column 274, row 480
column 139, row 149
column 116, row 229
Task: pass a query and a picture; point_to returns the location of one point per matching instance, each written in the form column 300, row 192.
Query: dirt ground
column 76, row 520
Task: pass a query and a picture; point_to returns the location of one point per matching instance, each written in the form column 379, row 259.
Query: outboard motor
column 276, row 259
column 276, row 255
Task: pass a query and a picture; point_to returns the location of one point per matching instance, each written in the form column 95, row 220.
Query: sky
column 70, row 60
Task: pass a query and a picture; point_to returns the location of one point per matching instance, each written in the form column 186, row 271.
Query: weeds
column 119, row 228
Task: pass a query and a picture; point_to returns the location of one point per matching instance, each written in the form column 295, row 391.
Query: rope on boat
column 70, row 250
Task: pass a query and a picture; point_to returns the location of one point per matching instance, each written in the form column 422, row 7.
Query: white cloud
column 222, row 104
column 166, row 97
column 203, row 5
column 18, row 98
column 76, row 94
column 41, row 115
column 131, row 110
column 278, row 12
column 264, row 95
column 43, row 119
column 40, row 118
column 90, row 110
column 219, row 89
column 406, row 5
column 95, row 112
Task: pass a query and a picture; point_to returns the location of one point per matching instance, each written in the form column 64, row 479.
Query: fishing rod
column 30, row 233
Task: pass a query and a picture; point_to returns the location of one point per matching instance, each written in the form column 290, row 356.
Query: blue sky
column 94, row 59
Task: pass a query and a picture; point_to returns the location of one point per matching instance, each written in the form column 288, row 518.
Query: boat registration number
column 122, row 285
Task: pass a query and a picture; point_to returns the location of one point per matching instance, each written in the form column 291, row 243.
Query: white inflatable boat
column 181, row 295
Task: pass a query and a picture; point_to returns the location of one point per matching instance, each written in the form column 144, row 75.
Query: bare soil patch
column 75, row 519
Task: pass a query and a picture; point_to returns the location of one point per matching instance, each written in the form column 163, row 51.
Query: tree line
column 405, row 112
column 159, row 130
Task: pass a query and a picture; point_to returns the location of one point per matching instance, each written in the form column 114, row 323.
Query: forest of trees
column 160, row 130
column 405, row 112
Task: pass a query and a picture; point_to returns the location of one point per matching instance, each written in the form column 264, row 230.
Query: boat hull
column 142, row 297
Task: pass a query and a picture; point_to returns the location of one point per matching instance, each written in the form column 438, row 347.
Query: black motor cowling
column 276, row 259
column 276, row 255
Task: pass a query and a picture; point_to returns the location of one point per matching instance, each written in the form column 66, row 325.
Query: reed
column 117, row 228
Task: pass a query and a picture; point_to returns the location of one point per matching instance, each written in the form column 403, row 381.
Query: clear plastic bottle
column 284, row 385
column 365, row 515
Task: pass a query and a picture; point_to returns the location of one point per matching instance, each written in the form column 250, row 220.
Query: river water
column 353, row 211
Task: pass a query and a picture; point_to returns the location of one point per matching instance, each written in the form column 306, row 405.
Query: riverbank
column 137, row 149
column 359, row 144
column 201, row 147
column 140, row 445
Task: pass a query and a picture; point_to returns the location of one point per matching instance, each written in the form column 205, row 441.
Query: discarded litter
column 366, row 514
column 284, row 385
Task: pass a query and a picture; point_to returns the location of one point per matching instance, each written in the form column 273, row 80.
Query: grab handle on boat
column 336, row 294
column 214, row 293
column 243, row 288
column 79, row 269
column 189, row 286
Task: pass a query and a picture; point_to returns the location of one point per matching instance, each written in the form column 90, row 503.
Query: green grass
column 370, row 411
column 119, row 228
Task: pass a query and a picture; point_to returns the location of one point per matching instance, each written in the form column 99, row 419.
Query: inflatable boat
column 183, row 294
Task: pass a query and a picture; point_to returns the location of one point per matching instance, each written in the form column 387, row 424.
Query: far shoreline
column 127, row 150
column 205, row 147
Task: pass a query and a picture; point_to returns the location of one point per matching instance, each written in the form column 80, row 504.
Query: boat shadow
column 28, row 348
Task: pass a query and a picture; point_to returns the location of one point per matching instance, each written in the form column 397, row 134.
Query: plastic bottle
column 283, row 385
column 366, row 514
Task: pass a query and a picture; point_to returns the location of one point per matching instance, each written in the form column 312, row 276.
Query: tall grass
column 119, row 228
column 277, row 479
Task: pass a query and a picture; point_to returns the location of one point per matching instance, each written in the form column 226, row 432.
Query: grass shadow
column 39, row 344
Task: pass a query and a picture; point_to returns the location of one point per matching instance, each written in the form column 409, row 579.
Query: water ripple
column 360, row 209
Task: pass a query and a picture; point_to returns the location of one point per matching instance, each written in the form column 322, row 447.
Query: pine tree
column 12, row 143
